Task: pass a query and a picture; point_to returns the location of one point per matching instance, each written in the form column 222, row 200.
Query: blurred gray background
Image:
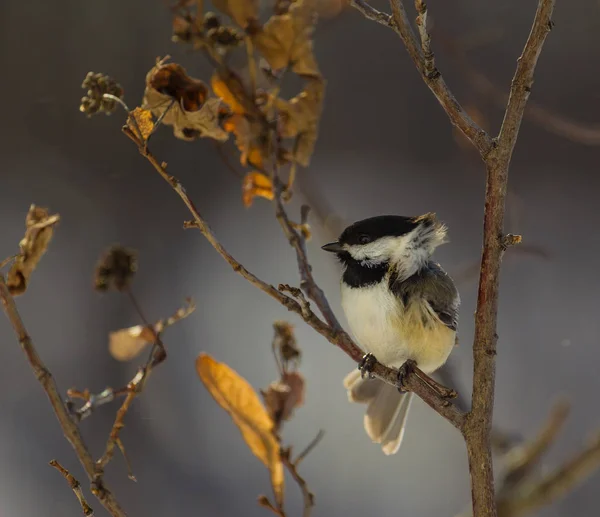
column 385, row 147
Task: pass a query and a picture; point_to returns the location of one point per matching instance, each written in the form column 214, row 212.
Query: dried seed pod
column 116, row 269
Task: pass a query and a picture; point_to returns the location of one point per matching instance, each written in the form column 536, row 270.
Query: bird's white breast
column 393, row 333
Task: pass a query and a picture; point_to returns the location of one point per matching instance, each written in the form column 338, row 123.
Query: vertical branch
column 479, row 421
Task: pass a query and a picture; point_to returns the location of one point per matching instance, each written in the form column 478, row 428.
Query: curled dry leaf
column 39, row 227
column 243, row 12
column 236, row 396
column 126, row 344
column 285, row 40
column 256, row 184
column 182, row 102
column 283, row 396
column 115, row 269
column 143, row 122
column 299, row 118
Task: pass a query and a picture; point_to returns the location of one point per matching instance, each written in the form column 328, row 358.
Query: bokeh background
column 385, row 147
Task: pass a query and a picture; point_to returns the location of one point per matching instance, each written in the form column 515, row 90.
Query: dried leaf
column 39, row 227
column 143, row 120
column 284, row 342
column 248, row 138
column 243, row 12
column 285, row 395
column 285, row 40
column 221, row 90
column 235, row 395
column 256, row 184
column 126, row 344
column 299, row 118
column 182, row 102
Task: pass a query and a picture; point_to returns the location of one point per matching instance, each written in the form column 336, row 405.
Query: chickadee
column 400, row 305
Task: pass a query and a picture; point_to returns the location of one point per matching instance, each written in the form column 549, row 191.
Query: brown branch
column 337, row 336
column 554, row 485
column 433, row 79
column 479, row 420
column 522, row 459
column 292, row 466
column 75, row 486
column 68, row 426
column 560, row 125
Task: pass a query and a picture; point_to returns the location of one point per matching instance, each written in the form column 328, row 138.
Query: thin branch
column 429, row 59
column 523, row 79
column 309, row 447
column 307, row 495
column 554, row 485
column 68, row 426
column 458, row 116
column 75, row 486
column 337, row 336
column 523, row 458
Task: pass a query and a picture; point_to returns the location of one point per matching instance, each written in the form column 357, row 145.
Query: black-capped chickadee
column 400, row 306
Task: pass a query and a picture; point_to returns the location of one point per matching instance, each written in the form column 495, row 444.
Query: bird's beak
column 333, row 247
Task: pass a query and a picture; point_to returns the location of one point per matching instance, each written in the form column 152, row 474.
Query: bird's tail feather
column 387, row 409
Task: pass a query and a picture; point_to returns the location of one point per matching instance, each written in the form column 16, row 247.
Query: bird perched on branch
column 400, row 305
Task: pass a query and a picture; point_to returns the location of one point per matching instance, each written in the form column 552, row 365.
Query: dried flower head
column 284, row 343
column 116, row 269
column 97, row 85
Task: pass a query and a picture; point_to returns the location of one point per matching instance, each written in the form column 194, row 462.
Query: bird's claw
column 366, row 365
column 403, row 372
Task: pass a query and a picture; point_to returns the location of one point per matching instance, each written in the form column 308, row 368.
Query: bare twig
column 68, row 426
column 553, row 485
column 334, row 334
column 522, row 459
column 458, row 116
column 75, row 486
column 309, row 447
column 428, row 56
column 307, row 495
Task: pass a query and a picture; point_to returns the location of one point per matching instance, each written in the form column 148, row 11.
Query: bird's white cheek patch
column 381, row 250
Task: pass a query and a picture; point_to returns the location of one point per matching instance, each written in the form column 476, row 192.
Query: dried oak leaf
column 286, row 39
column 256, row 184
column 284, row 396
column 299, row 118
column 39, row 227
column 243, row 12
column 236, row 396
column 126, row 344
column 143, row 122
column 182, row 102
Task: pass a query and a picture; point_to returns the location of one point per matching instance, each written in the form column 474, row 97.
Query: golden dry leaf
column 243, row 12
column 221, row 90
column 286, row 39
column 236, row 396
column 182, row 102
column 256, row 184
column 143, row 119
column 299, row 118
column 248, row 139
column 39, row 227
column 126, row 344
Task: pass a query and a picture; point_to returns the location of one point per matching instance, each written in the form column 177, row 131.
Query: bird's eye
column 364, row 239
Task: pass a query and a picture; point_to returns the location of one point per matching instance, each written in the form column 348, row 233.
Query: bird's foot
column 366, row 365
column 406, row 368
